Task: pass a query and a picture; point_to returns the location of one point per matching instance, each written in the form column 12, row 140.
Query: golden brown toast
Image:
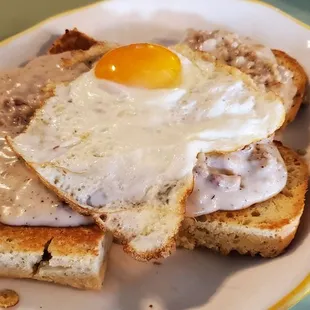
column 55, row 254
column 300, row 80
column 72, row 40
column 266, row 228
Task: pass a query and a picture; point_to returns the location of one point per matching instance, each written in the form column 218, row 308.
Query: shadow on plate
column 44, row 48
column 179, row 282
column 47, row 45
column 175, row 283
column 297, row 134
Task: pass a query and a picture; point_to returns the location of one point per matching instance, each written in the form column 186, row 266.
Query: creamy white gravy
column 24, row 200
column 237, row 180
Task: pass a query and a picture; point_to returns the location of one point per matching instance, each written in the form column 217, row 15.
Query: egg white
column 125, row 143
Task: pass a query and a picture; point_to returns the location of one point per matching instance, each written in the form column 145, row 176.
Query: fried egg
column 118, row 134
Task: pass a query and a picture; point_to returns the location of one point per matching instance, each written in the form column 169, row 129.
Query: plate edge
column 80, row 8
column 295, row 296
column 303, row 289
column 45, row 21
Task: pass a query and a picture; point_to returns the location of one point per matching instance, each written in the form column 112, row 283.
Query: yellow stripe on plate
column 295, row 296
column 303, row 289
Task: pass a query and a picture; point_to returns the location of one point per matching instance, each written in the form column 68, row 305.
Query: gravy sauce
column 236, row 180
column 24, row 200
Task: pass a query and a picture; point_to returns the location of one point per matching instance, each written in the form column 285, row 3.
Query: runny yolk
column 141, row 65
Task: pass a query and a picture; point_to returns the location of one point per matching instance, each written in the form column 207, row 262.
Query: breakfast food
column 270, row 69
column 93, row 147
column 44, row 253
column 160, row 146
column 237, row 180
column 265, row 228
column 75, row 256
column 72, row 40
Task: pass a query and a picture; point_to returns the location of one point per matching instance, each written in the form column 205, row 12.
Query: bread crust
column 72, row 40
column 74, row 243
column 300, row 80
column 265, row 228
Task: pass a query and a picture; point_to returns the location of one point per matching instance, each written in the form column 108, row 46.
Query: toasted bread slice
column 265, row 228
column 300, row 80
column 70, row 256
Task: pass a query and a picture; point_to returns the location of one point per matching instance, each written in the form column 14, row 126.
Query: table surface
column 17, row 15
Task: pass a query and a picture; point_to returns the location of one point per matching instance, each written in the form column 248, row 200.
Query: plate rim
column 302, row 290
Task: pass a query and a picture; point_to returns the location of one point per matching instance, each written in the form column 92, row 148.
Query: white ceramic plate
column 187, row 280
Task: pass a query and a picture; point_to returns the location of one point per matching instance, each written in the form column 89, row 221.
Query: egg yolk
column 141, row 65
